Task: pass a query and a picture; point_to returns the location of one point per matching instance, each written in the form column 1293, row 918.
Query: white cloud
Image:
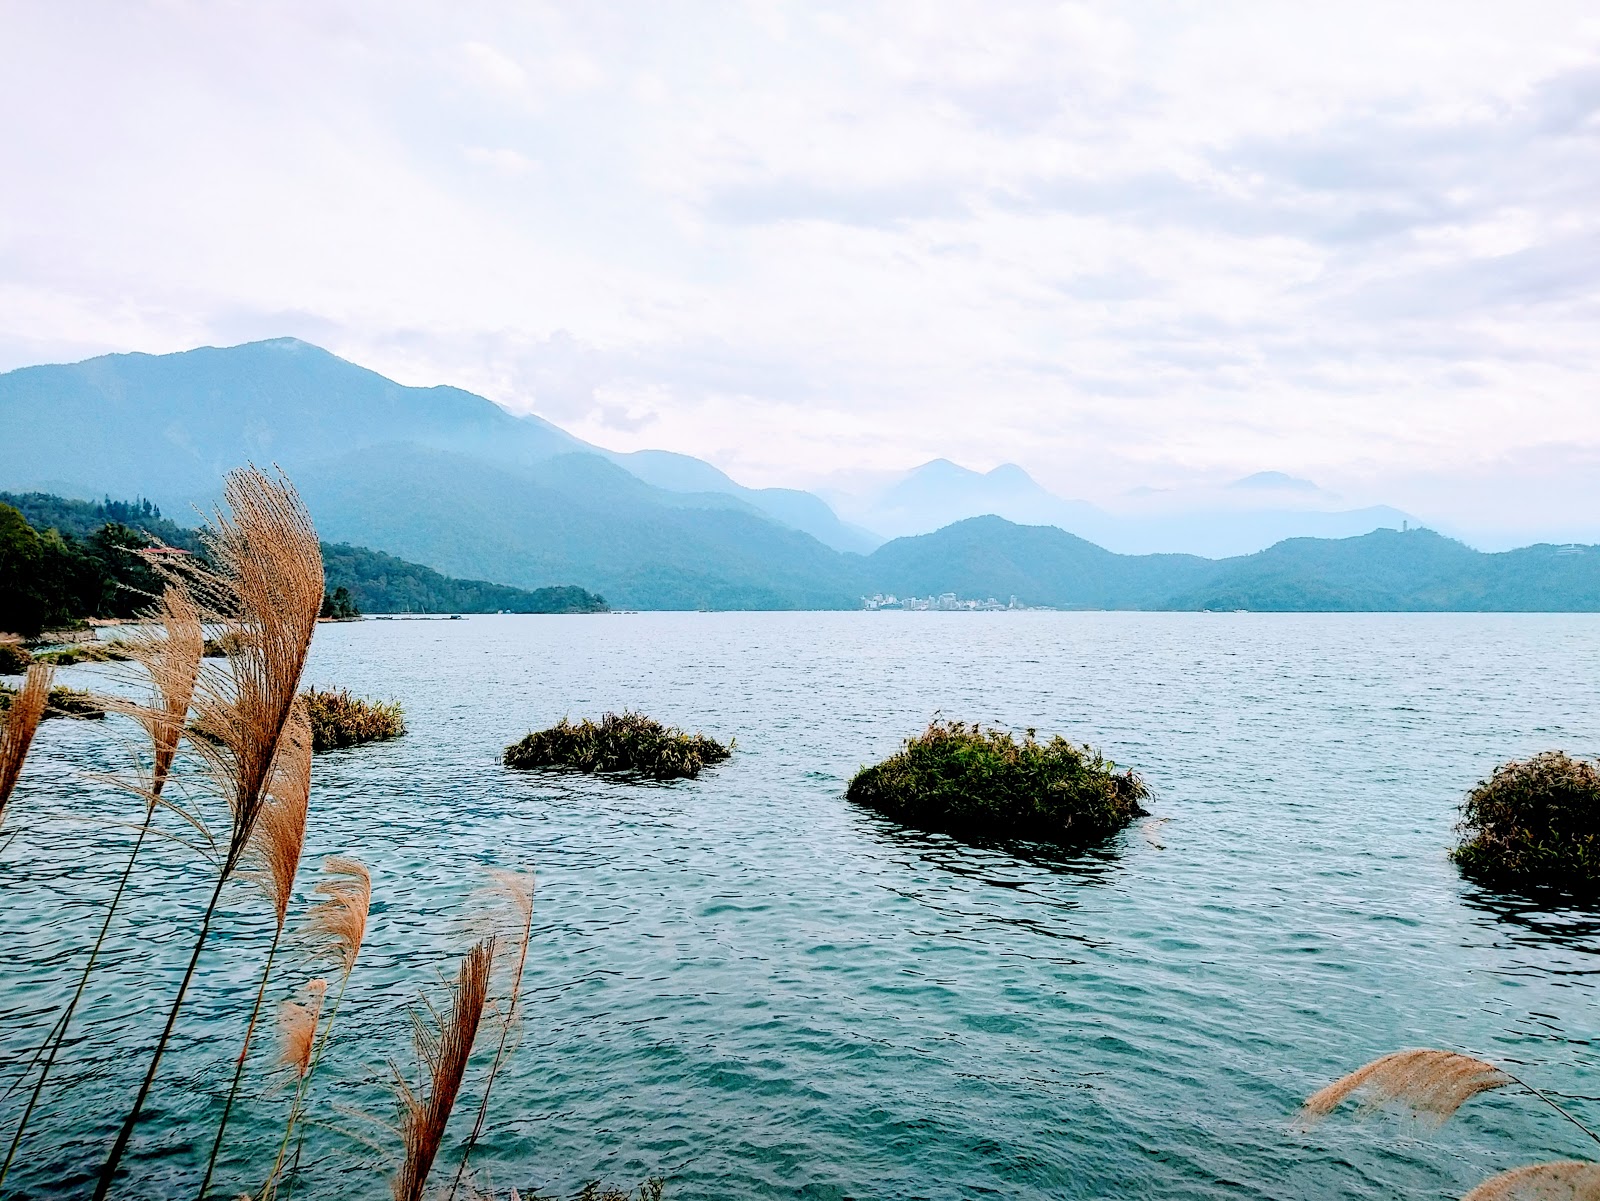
column 1118, row 243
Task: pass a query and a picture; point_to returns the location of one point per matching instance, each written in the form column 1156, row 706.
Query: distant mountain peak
column 1276, row 481
column 1010, row 473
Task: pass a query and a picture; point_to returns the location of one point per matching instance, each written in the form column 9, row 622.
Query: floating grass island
column 63, row 702
column 339, row 719
column 1534, row 822
column 970, row 782
column 84, row 652
column 14, row 657
column 626, row 742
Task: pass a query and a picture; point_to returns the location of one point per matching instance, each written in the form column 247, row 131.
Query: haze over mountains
column 445, row 478
column 297, row 404
column 1239, row 518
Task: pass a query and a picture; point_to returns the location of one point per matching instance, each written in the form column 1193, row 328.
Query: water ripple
column 746, row 984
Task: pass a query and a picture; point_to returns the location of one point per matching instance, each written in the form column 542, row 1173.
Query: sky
column 1125, row 245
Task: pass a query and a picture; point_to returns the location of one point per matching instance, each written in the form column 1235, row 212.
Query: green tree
column 22, row 605
column 339, row 605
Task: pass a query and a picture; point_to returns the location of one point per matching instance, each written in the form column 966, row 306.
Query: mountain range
column 442, row 477
column 1234, row 519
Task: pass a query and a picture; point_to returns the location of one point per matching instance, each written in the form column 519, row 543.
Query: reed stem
column 301, row 1092
column 108, row 1172
column 1551, row 1102
column 499, row 1054
column 238, row 1070
column 59, row 1035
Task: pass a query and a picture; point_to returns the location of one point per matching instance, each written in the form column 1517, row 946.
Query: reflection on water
column 1545, row 923
column 748, row 984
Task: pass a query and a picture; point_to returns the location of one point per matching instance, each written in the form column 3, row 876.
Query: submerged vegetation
column 339, row 719
column 964, row 780
column 626, row 742
column 1534, row 823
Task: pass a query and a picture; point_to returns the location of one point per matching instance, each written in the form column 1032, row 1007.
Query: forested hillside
column 63, row 560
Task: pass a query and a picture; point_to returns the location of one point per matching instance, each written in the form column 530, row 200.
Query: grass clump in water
column 84, row 652
column 14, row 657
column 967, row 781
column 626, row 742
column 339, row 719
column 1534, row 822
column 63, row 702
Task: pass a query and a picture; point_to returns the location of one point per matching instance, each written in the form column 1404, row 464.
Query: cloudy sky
column 1122, row 244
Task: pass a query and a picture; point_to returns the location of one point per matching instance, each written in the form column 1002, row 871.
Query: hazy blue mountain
column 1274, row 481
column 1217, row 522
column 1388, row 570
column 1040, row 565
column 169, row 426
column 802, row 510
column 941, row 492
column 444, row 478
column 1385, row 570
column 1224, row 533
column 575, row 518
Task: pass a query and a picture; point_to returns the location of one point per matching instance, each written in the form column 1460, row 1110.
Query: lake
column 748, row 986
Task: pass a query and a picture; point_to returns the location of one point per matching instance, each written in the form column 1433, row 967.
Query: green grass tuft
column 339, row 719
column 1534, row 822
column 629, row 742
column 970, row 782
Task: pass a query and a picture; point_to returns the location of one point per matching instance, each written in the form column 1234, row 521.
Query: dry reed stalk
column 443, row 1049
column 517, row 889
column 1435, row 1083
column 172, row 660
column 297, row 1028
column 339, row 922
column 268, row 591
column 270, row 563
column 275, row 846
column 16, row 736
column 1565, row 1180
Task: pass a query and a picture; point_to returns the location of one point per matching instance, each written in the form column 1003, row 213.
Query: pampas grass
column 270, row 562
column 267, row 591
column 1564, row 1180
column 22, row 719
column 1435, row 1083
column 297, row 1028
column 172, row 660
column 275, row 846
column 340, row 919
column 516, row 888
column 444, row 1044
column 1429, row 1082
column 338, row 924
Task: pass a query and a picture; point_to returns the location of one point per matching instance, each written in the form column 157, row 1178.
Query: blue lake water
column 748, row 986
